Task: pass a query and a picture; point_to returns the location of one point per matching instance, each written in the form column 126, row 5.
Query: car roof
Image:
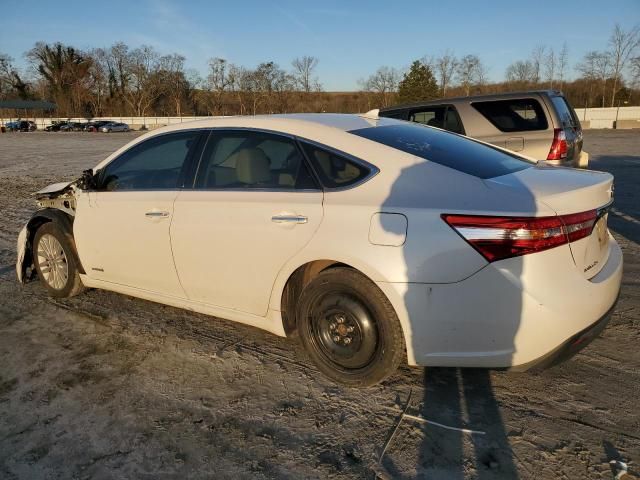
column 292, row 123
column 473, row 98
column 326, row 128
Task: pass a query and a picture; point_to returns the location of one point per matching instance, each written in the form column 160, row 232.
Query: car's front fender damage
column 56, row 203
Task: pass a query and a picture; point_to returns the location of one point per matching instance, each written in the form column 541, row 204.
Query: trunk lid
column 570, row 191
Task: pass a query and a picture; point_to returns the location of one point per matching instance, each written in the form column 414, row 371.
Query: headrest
column 252, row 166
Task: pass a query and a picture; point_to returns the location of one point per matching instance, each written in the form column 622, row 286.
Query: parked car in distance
column 21, row 126
column 373, row 241
column 114, row 127
column 72, row 127
column 95, row 125
column 54, row 127
column 65, row 126
column 539, row 124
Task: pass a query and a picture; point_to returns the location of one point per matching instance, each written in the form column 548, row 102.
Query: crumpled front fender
column 25, row 238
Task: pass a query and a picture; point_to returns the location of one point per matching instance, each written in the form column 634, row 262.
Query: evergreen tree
column 417, row 84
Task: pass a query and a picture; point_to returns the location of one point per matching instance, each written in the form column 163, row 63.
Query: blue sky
column 351, row 38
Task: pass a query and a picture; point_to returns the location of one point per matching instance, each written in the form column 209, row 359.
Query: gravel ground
column 107, row 386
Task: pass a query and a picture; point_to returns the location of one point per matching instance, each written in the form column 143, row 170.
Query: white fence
column 593, row 118
column 605, row 117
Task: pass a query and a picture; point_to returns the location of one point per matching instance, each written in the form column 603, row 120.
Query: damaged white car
column 372, row 240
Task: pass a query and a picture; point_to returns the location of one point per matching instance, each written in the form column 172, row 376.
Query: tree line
column 124, row 81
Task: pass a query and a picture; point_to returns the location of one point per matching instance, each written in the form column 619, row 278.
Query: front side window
column 155, row 164
column 515, row 115
column 250, row 159
column 334, row 170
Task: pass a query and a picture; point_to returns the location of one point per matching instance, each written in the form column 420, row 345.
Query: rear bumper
column 569, row 348
column 512, row 314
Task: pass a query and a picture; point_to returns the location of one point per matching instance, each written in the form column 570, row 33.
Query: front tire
column 55, row 261
column 349, row 328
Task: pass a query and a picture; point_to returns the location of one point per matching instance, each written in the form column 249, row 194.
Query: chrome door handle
column 289, row 219
column 156, row 214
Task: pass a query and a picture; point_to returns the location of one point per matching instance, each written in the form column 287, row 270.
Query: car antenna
column 372, row 114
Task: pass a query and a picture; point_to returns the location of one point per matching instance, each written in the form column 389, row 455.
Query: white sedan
column 373, row 241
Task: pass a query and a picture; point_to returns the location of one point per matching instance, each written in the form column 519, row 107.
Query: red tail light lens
column 579, row 225
column 559, row 146
column 497, row 238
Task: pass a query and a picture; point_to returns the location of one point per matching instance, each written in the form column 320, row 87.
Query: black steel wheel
column 349, row 328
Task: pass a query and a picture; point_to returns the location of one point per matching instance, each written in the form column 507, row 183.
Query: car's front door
column 254, row 205
column 122, row 229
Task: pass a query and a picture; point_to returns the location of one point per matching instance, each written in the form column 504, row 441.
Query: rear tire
column 55, row 260
column 349, row 329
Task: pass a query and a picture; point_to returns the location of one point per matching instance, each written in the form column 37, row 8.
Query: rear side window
column 567, row 116
column 516, row 115
column 334, row 170
column 460, row 153
column 250, row 159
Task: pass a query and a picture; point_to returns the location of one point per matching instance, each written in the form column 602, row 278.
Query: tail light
column 559, row 146
column 497, row 238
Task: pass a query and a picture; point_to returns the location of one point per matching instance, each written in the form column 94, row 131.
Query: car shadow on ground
column 477, row 318
column 464, row 415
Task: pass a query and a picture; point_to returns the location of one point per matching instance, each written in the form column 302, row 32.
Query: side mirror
column 88, row 181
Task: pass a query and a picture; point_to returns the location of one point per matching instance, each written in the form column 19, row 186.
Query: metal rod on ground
column 395, row 429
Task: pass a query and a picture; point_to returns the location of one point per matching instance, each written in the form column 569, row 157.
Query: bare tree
column 521, row 71
column 470, row 72
column 603, row 71
column 550, row 66
column 146, row 82
column 175, row 84
column 11, row 79
column 384, row 83
column 99, row 80
column 303, row 70
column 116, row 61
column 65, row 71
column 284, row 85
column 623, row 44
column 445, row 66
column 537, row 59
column 219, row 81
column 563, row 62
column 589, row 70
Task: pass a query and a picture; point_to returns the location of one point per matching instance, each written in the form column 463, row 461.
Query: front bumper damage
column 56, row 202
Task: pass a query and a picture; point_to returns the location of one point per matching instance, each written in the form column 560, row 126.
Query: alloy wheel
column 52, row 262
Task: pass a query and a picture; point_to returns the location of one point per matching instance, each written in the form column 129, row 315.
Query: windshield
column 453, row 151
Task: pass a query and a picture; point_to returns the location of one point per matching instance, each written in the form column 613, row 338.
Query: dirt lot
column 106, row 386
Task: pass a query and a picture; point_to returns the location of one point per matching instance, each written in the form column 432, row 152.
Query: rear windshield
column 450, row 150
column 513, row 115
column 567, row 116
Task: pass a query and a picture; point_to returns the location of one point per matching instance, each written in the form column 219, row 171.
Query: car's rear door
column 122, row 229
column 254, row 205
